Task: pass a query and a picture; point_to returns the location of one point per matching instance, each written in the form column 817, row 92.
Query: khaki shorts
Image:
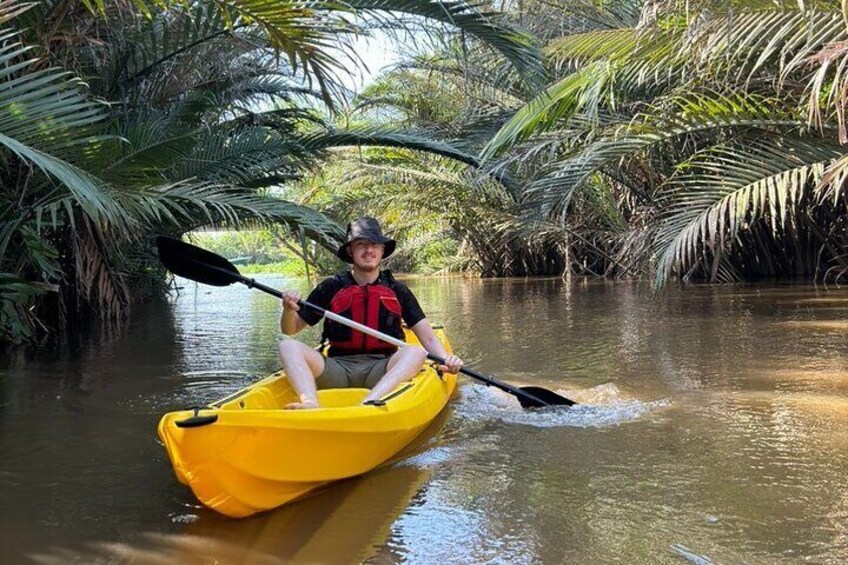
column 352, row 371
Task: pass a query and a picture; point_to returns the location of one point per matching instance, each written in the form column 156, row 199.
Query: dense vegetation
column 122, row 120
column 695, row 140
column 664, row 139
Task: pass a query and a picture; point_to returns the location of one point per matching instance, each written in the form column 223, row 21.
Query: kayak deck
column 244, row 454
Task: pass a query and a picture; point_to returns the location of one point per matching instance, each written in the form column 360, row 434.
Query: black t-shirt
column 323, row 294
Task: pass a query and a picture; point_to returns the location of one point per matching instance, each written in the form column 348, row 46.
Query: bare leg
column 302, row 365
column 402, row 366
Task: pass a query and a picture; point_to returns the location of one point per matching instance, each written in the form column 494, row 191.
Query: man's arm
column 293, row 318
column 429, row 339
column 290, row 321
column 433, row 344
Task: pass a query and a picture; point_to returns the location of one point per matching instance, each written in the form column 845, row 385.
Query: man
column 371, row 297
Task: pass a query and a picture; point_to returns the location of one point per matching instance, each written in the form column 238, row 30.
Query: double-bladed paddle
column 205, row 267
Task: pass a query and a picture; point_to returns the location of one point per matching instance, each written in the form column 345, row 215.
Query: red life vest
column 374, row 305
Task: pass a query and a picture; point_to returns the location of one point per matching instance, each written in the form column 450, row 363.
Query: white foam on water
column 597, row 407
column 184, row 518
column 431, row 458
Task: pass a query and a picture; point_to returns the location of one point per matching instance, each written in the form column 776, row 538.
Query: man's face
column 366, row 254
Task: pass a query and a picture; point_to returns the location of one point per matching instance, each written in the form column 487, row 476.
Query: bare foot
column 308, row 404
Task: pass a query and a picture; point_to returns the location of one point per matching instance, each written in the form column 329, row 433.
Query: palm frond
column 724, row 189
column 834, row 183
column 243, row 156
column 151, row 143
column 296, row 30
column 10, row 9
column 582, row 90
column 94, row 268
column 16, row 316
column 677, row 117
column 44, row 108
column 167, row 36
column 578, row 49
column 744, row 44
column 370, row 137
column 515, row 45
column 190, row 205
column 605, row 14
column 90, row 193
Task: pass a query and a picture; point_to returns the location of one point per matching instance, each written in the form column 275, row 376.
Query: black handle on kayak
column 205, row 267
column 197, row 420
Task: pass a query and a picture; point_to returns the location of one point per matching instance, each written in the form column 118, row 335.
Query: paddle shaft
column 487, row 379
column 432, row 357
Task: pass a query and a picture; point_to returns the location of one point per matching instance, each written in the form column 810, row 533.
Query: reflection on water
column 344, row 524
column 712, row 427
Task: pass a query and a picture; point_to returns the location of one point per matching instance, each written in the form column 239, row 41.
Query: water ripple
column 600, row 406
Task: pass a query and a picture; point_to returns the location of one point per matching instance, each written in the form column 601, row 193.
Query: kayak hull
column 255, row 456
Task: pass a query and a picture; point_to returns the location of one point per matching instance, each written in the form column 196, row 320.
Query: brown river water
column 712, row 428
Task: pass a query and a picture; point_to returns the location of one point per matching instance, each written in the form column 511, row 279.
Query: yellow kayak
column 245, row 454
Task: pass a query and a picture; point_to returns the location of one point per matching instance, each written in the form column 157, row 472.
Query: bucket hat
column 365, row 228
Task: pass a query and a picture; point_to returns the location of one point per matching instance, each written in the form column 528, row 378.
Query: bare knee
column 291, row 348
column 293, row 352
column 409, row 359
column 416, row 355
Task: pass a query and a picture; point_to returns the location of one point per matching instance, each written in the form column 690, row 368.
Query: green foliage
column 693, row 140
column 292, row 268
column 695, row 123
column 193, row 116
column 259, row 246
column 16, row 299
column 664, row 139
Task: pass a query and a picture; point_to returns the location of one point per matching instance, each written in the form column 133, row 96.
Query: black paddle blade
column 545, row 396
column 196, row 264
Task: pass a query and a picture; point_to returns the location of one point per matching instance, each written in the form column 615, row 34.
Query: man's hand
column 452, row 364
column 290, row 300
